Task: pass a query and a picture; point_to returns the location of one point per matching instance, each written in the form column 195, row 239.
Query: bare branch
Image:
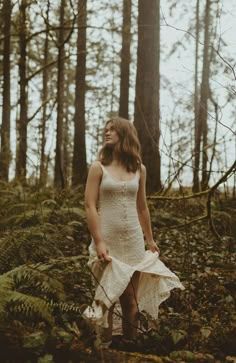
column 44, row 67
column 185, row 223
column 37, row 111
column 211, row 46
column 210, row 193
column 195, row 195
column 232, row 169
column 67, row 28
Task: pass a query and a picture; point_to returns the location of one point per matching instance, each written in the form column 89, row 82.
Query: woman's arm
column 91, row 198
column 143, row 212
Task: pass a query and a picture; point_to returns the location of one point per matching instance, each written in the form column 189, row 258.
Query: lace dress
column 122, row 233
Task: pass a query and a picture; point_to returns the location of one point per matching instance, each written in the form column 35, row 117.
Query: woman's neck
column 116, row 162
column 115, row 158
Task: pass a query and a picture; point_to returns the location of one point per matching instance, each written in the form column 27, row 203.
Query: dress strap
column 105, row 171
column 138, row 173
column 102, row 167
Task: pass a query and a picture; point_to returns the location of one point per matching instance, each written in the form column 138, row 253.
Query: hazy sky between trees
column 179, row 69
column 177, row 72
column 177, row 75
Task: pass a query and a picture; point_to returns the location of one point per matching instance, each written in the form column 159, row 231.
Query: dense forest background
column 66, row 68
column 69, row 66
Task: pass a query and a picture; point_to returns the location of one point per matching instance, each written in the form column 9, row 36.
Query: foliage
column 45, row 283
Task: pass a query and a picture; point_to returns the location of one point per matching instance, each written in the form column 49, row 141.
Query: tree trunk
column 59, row 159
column 197, row 136
column 21, row 154
column 6, row 106
column 215, row 104
column 147, row 113
column 43, row 170
column 66, row 144
column 125, row 60
column 205, row 96
column 234, row 186
column 79, row 168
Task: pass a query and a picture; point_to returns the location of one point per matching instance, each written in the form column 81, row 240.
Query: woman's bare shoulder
column 143, row 169
column 95, row 168
column 95, row 164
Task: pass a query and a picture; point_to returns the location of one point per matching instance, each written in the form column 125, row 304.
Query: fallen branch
column 195, row 195
column 185, row 223
column 209, row 193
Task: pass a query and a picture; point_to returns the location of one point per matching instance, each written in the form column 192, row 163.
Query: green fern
column 36, row 279
column 15, row 302
column 33, row 244
column 30, row 307
column 6, row 287
column 34, row 291
column 38, row 229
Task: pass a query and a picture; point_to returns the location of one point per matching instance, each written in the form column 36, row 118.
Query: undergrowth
column 45, row 283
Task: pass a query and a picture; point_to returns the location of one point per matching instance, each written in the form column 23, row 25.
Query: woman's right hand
column 102, row 252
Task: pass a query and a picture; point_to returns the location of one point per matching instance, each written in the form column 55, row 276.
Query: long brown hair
column 129, row 147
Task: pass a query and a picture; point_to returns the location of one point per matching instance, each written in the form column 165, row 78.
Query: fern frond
column 30, row 306
column 23, row 305
column 6, row 286
column 49, row 202
column 37, row 280
column 29, row 217
column 33, row 244
column 77, row 212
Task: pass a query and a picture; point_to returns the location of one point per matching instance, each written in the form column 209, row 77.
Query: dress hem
column 155, row 283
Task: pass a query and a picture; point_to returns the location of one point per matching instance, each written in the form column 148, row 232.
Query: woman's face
column 111, row 136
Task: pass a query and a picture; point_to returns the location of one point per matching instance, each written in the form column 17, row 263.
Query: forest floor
column 45, row 283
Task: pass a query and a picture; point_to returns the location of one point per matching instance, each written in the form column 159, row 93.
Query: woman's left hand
column 152, row 246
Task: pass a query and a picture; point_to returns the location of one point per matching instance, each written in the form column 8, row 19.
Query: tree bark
column 197, row 136
column 66, row 143
column 43, row 170
column 5, row 153
column 21, row 152
column 201, row 128
column 215, row 104
column 79, row 167
column 147, row 103
column 125, row 60
column 205, row 96
column 59, row 159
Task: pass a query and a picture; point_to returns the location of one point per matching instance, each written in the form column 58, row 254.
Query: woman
column 118, row 216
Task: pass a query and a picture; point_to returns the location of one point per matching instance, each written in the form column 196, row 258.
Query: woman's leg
column 107, row 332
column 128, row 301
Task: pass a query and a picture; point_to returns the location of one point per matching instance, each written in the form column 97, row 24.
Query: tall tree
column 43, row 171
column 147, row 98
column 79, row 168
column 66, row 137
column 59, row 181
column 125, row 60
column 6, row 106
column 197, row 136
column 205, row 93
column 202, row 127
column 21, row 152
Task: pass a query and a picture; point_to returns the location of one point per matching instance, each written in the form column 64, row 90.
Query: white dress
column 122, row 233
